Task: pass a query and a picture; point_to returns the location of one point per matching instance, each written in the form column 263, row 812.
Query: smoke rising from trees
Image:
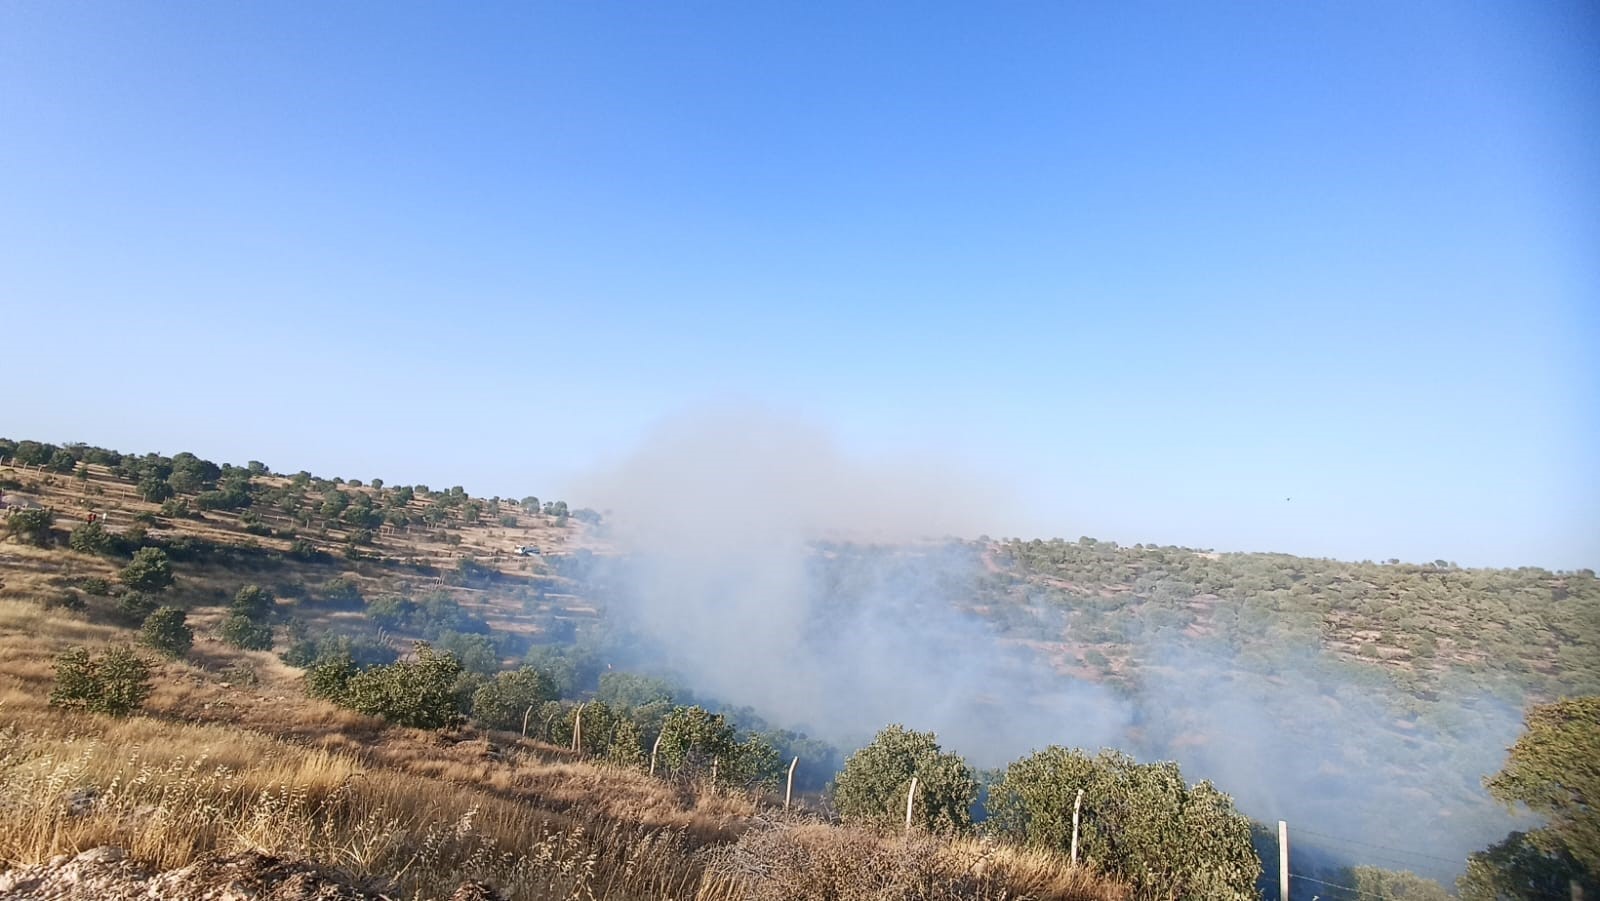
column 771, row 570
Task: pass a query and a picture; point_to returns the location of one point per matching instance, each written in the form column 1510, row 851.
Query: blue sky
column 1157, row 267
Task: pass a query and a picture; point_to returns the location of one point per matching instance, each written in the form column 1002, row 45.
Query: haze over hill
column 719, row 518
column 745, row 563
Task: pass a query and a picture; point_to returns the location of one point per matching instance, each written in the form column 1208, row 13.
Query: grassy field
column 229, row 753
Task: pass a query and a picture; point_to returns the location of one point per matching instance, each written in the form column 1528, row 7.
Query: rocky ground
column 106, row 874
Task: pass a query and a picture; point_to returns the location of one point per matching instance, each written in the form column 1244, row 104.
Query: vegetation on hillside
column 357, row 604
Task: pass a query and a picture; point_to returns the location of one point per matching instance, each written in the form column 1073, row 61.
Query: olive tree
column 167, row 631
column 693, row 737
column 150, row 570
column 1553, row 769
column 1140, row 822
column 874, row 784
column 31, row 526
column 418, row 692
column 116, row 682
column 503, row 702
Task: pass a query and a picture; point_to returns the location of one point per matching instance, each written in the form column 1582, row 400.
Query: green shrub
column 418, row 693
column 627, row 746
column 167, row 631
column 150, row 570
column 246, row 634
column 692, row 737
column 252, row 602
column 90, row 538
column 341, row 590
column 502, row 703
column 31, row 526
column 330, row 675
column 1140, row 822
column 875, row 781
column 175, row 508
column 135, row 607
column 115, row 682
column 95, row 586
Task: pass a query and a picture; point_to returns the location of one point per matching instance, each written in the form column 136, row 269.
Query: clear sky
column 1161, row 268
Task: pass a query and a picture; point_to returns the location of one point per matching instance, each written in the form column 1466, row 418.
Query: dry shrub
column 790, row 860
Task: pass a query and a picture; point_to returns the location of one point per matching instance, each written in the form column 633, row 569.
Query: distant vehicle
column 527, row 550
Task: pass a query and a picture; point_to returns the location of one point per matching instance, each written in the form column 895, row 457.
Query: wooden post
column 653, row 749
column 911, row 797
column 1283, row 861
column 788, row 793
column 1075, row 806
column 525, row 716
column 577, row 729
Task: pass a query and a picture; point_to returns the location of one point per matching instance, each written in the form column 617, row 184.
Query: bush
column 31, row 526
column 252, row 602
column 115, row 682
column 95, row 585
column 502, row 703
column 175, row 508
column 246, row 634
column 476, row 652
column 154, row 490
column 136, row 606
column 167, row 632
column 90, row 538
column 418, row 693
column 150, row 570
column 1140, row 822
column 627, row 746
column 363, row 652
column 692, row 737
column 341, row 590
column 873, row 785
column 330, row 675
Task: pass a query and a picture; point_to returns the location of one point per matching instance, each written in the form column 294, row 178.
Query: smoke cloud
column 771, row 570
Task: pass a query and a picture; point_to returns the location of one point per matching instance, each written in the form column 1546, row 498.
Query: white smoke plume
column 719, row 515
column 722, row 519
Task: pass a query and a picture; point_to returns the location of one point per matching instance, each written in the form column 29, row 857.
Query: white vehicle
column 527, row 550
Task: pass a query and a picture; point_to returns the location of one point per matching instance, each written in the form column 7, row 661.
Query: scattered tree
column 116, row 682
column 246, row 633
column 252, row 602
column 418, row 692
column 167, row 632
column 31, row 526
column 1554, row 769
column 1140, row 822
column 502, row 703
column 875, row 781
column 91, row 538
column 150, row 570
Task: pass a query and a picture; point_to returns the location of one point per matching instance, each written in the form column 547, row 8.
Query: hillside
column 232, row 757
column 561, row 661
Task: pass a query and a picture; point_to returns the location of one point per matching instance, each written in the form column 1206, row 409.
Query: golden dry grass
column 231, row 755
column 796, row 860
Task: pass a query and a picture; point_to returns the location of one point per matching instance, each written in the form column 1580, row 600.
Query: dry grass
column 794, row 860
column 222, row 764
column 171, row 794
